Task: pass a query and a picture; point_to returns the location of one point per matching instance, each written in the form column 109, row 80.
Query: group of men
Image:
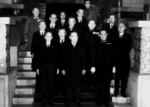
column 66, row 49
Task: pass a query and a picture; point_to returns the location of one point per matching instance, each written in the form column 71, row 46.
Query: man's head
column 62, row 15
column 87, row 4
column 72, row 21
column 62, row 33
column 35, row 12
column 103, row 34
column 80, row 13
column 91, row 24
column 73, row 37
column 48, row 36
column 121, row 27
column 112, row 19
column 53, row 18
column 42, row 25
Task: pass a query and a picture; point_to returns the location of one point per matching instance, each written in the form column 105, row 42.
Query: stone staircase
column 25, row 90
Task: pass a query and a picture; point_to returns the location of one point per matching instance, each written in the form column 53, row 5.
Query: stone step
column 89, row 104
column 122, row 105
column 24, row 67
column 25, row 60
column 28, row 99
column 24, row 90
column 26, row 82
column 24, row 54
column 23, row 100
column 26, row 74
column 121, row 100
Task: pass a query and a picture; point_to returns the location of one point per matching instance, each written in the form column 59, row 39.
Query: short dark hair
column 87, row 0
column 61, row 28
column 74, row 32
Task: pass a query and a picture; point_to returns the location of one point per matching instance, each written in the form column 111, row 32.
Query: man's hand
column 32, row 56
column 63, row 72
column 37, row 71
column 57, row 71
column 93, row 70
column 114, row 70
column 83, row 72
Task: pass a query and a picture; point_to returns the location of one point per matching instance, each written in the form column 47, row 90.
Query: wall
column 6, row 1
column 133, row 3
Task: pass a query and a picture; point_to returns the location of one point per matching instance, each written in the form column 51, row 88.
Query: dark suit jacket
column 54, row 31
column 91, row 14
column 74, row 62
column 103, row 58
column 90, row 41
column 59, row 52
column 75, row 28
column 60, row 25
column 47, row 55
column 123, row 47
column 37, row 41
column 31, row 26
column 82, row 25
column 112, row 33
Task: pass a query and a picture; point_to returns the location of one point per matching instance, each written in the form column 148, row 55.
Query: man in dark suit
column 89, row 12
column 37, row 40
column 90, row 38
column 81, row 22
column 72, row 26
column 62, row 41
column 73, row 67
column 102, row 61
column 47, row 68
column 123, row 46
column 111, row 28
column 31, row 26
column 62, row 22
column 52, row 27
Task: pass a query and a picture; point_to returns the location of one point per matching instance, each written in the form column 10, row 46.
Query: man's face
column 62, row 15
column 87, row 4
column 80, row 13
column 103, row 35
column 74, row 37
column 42, row 26
column 121, row 28
column 53, row 18
column 92, row 24
column 48, row 37
column 72, row 22
column 112, row 19
column 35, row 12
column 62, row 34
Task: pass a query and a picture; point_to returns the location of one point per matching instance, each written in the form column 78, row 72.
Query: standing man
column 111, row 28
column 37, row 41
column 102, row 62
column 72, row 26
column 90, row 38
column 47, row 69
column 89, row 13
column 74, row 67
column 52, row 26
column 31, row 26
column 123, row 48
column 62, row 22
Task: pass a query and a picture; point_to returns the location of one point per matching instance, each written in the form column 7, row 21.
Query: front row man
column 74, row 67
column 102, row 67
column 47, row 68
